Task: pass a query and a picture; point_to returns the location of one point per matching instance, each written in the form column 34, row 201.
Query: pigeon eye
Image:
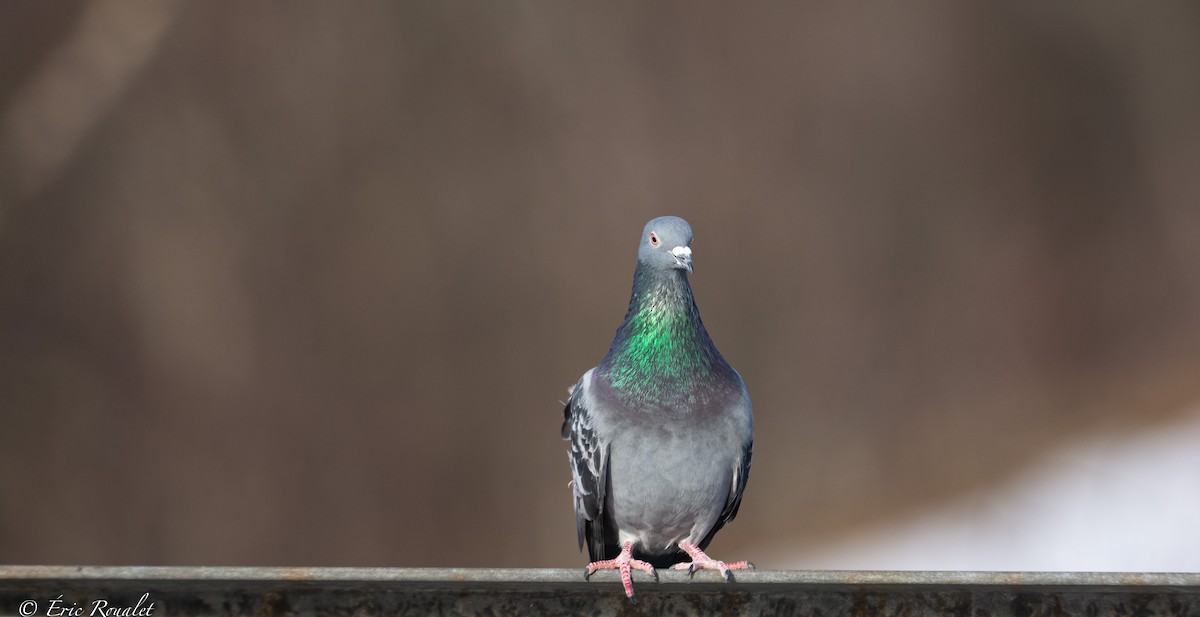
column 654, row 239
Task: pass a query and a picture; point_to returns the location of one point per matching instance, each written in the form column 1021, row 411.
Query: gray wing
column 741, row 474
column 588, row 456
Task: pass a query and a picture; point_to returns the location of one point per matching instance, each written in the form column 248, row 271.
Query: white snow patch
column 1112, row 503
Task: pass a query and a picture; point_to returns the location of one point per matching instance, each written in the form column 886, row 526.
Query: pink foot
column 623, row 562
column 700, row 561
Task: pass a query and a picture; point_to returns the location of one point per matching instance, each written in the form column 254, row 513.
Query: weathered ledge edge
column 487, row 577
column 150, row 591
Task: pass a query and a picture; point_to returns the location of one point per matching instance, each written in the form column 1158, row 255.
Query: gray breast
column 671, row 473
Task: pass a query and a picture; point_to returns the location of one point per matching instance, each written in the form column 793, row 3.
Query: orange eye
column 654, row 239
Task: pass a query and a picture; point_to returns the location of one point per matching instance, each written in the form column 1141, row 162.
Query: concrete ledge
column 62, row 591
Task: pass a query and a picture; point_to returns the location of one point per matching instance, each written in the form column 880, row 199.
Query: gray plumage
column 661, row 431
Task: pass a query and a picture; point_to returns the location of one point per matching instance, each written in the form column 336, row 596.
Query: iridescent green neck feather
column 661, row 353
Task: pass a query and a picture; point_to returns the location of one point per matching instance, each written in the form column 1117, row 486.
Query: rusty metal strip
column 62, row 591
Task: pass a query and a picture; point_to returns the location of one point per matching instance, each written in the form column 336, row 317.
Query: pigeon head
column 666, row 244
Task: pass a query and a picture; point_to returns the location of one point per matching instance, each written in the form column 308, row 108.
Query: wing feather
column 588, row 456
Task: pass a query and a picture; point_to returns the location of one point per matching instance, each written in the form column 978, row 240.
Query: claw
column 700, row 561
column 623, row 563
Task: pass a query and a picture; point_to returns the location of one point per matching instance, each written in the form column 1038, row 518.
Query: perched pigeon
column 661, row 431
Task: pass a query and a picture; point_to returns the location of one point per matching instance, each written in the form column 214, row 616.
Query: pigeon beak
column 683, row 257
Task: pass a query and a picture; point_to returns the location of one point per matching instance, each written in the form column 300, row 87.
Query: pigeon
column 661, row 431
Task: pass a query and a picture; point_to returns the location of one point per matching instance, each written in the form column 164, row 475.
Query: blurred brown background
column 304, row 283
